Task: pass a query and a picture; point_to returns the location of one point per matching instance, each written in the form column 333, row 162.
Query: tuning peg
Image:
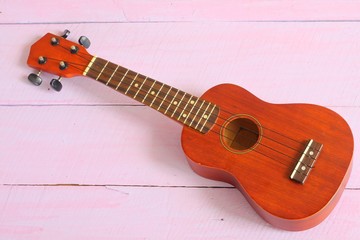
column 35, row 78
column 65, row 34
column 84, row 41
column 56, row 84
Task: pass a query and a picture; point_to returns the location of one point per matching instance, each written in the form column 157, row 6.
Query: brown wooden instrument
column 291, row 161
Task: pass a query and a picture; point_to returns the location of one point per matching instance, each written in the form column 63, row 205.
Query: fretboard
column 178, row 105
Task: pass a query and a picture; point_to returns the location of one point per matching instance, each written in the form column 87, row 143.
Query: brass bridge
column 306, row 161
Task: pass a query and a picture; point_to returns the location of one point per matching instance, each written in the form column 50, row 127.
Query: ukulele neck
column 180, row 106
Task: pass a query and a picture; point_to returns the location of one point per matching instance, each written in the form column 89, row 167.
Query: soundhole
column 241, row 134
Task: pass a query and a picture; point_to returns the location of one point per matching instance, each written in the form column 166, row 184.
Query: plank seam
column 108, row 185
column 183, row 21
column 122, row 105
column 127, row 185
column 73, row 105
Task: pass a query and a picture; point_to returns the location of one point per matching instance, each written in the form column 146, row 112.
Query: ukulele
column 290, row 161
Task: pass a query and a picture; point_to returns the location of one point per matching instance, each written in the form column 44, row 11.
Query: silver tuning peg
column 35, row 78
column 65, row 34
column 56, row 84
column 84, row 41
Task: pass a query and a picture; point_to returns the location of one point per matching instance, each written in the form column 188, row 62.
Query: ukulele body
column 255, row 146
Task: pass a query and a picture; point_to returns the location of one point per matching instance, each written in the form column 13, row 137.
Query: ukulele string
column 218, row 117
column 243, row 128
column 224, row 110
column 126, row 77
column 220, row 134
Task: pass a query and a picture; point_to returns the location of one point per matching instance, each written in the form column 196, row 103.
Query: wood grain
column 261, row 172
column 283, row 52
column 152, row 213
column 82, row 11
column 66, row 144
column 195, row 57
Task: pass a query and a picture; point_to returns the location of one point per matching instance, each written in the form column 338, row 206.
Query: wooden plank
column 103, row 145
column 304, row 53
column 91, row 145
column 279, row 62
column 176, row 11
column 151, row 213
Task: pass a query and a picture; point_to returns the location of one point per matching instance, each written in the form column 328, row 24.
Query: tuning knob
column 65, row 34
column 56, row 84
column 84, row 41
column 35, row 78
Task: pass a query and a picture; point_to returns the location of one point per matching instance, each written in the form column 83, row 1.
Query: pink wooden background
column 88, row 163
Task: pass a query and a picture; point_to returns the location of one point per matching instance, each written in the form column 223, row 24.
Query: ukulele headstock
column 57, row 55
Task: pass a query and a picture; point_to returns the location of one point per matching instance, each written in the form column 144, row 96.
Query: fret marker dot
column 152, row 92
column 205, row 116
column 175, row 102
column 136, row 85
column 303, row 168
column 184, row 115
column 192, row 102
column 311, row 153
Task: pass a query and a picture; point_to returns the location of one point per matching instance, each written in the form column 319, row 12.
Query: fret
column 107, row 72
column 95, row 68
column 193, row 103
column 102, row 70
column 140, row 87
column 112, row 75
column 207, row 118
column 156, row 95
column 122, row 79
column 171, row 102
column 197, row 113
column 143, row 88
column 131, row 83
column 167, row 93
column 202, row 115
column 126, row 87
column 152, row 92
column 182, row 112
column 177, row 106
column 147, row 93
column 159, row 99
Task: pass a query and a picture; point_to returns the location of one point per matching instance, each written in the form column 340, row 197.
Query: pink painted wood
column 93, row 213
column 226, row 52
column 176, row 11
column 66, row 144
column 55, row 138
